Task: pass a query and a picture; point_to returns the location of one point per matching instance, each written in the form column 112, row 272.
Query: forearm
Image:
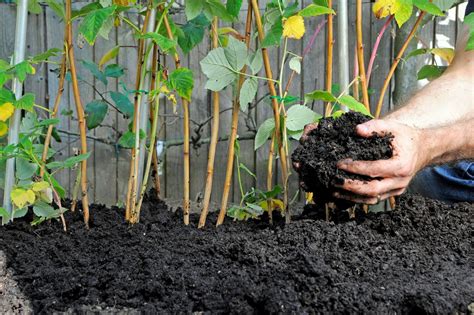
column 448, row 143
column 446, row 100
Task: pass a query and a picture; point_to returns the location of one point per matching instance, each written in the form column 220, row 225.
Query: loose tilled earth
column 332, row 141
column 416, row 259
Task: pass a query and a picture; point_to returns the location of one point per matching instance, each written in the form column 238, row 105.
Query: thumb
column 367, row 129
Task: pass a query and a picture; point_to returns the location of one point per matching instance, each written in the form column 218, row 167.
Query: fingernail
column 343, row 163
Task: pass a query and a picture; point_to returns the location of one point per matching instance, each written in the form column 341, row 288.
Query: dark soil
column 332, row 141
column 417, row 259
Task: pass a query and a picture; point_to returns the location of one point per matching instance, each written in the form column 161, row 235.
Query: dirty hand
column 393, row 175
column 307, row 129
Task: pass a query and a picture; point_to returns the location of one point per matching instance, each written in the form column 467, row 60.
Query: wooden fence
column 109, row 165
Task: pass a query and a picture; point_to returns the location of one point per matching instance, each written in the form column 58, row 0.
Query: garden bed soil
column 418, row 258
column 332, row 141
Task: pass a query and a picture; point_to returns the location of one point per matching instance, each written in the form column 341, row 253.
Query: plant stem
column 154, row 84
column 376, row 47
column 330, row 55
column 360, row 55
column 355, row 90
column 186, row 158
column 57, row 101
column 138, row 79
column 396, row 62
column 80, row 112
column 154, row 155
column 214, row 138
column 275, row 105
column 234, row 126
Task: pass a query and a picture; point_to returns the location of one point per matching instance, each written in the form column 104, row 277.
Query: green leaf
column 123, row 103
column 264, row 132
column 22, row 69
column 444, row 5
column 73, row 160
column 193, row 33
column 429, row 7
column 43, row 210
column 469, row 21
column 315, row 10
column 193, row 8
column 95, row 111
column 233, row 7
column 25, row 169
column 273, row 37
column 34, row 7
column 109, row 55
column 27, row 102
column 93, row 22
column 216, row 8
column 57, row 7
column 5, row 215
column 256, row 62
column 320, row 95
column 298, row 116
column 430, row 72
column 113, row 71
column 248, row 92
column 404, row 12
column 236, row 53
column 354, row 105
column 417, row 52
column 164, row 43
column 6, row 96
column 94, row 69
column 20, row 213
column 218, row 70
column 295, row 64
column 245, row 169
column 127, row 140
column 46, row 55
column 107, row 27
column 183, row 82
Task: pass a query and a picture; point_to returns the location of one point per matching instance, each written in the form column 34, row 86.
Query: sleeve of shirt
column 470, row 7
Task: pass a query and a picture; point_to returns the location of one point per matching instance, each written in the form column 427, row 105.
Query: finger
column 378, row 126
column 368, row 200
column 380, row 168
column 307, row 129
column 296, row 165
column 374, row 188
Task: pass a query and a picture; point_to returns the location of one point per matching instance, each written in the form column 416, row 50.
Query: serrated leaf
column 236, row 53
column 127, row 140
column 96, row 112
column 73, row 160
column 21, row 197
column 218, row 70
column 44, row 210
column 193, row 8
column 404, row 12
column 247, row 93
column 264, row 132
column 298, row 116
column 233, row 7
column 430, row 72
column 192, row 33
column 93, row 22
column 274, row 35
column 57, row 7
column 26, row 102
column 320, row 95
column 354, row 105
column 46, row 55
column 123, row 103
column 315, row 10
column 164, row 43
column 183, row 82
column 256, row 62
column 427, row 6
column 94, row 69
column 295, row 64
column 25, row 169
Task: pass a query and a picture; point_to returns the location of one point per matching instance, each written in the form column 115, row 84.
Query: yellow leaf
column 109, row 56
column 39, row 186
column 444, row 53
column 309, row 197
column 3, row 128
column 33, row 70
column 164, row 89
column 293, row 27
column 22, row 197
column 278, row 204
column 122, row 3
column 6, row 110
column 384, row 8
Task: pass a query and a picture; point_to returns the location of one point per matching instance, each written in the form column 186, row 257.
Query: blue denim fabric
column 449, row 183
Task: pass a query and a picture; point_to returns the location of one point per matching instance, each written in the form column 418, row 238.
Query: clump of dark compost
column 335, row 139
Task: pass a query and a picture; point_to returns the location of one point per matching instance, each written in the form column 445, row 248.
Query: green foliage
column 346, row 100
column 469, row 21
column 298, row 116
column 93, row 21
column 192, row 33
column 218, row 70
column 127, row 140
column 315, row 10
column 254, row 203
column 210, row 8
column 123, row 103
column 233, row 7
column 429, row 7
column 26, row 102
column 164, row 43
column 430, row 72
column 248, row 92
column 182, row 81
column 264, row 132
column 95, row 113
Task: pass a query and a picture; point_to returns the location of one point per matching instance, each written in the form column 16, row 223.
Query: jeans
column 450, row 183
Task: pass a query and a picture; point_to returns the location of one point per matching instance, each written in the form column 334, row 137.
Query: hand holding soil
column 393, row 175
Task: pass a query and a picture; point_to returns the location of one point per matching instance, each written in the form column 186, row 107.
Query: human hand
column 392, row 176
column 307, row 129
